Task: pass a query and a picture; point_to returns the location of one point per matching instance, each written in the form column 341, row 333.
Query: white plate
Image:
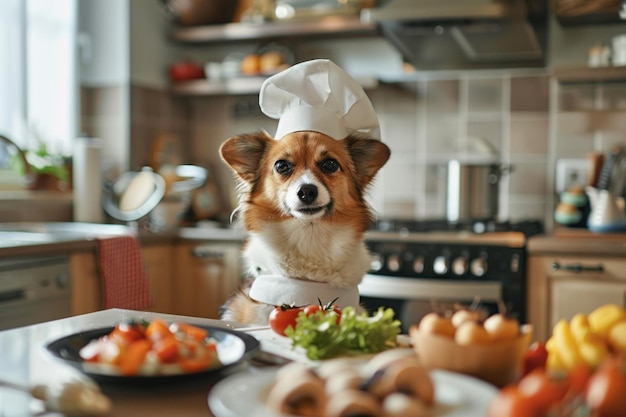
column 243, row 395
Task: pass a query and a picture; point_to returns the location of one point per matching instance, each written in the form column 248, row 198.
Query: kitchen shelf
column 237, row 86
column 327, row 26
column 589, row 74
column 203, row 87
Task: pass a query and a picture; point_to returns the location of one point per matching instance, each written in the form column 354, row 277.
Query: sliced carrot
column 189, row 347
column 166, row 349
column 157, row 329
column 133, row 357
column 195, row 364
column 126, row 333
column 191, row 331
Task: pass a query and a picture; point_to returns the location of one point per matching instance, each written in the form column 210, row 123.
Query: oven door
column 413, row 298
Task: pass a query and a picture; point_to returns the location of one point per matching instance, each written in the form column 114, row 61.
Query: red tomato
column 311, row 309
column 314, row 308
column 282, row 317
column 510, row 403
column 337, row 312
column 606, row 389
column 542, row 389
column 534, row 358
column 578, row 379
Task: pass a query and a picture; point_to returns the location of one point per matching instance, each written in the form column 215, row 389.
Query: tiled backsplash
column 527, row 117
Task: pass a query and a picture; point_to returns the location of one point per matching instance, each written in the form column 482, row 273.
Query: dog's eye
column 283, row 167
column 329, row 166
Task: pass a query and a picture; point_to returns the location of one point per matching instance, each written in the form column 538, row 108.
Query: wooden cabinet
column 186, row 277
column 86, row 283
column 205, row 276
column 159, row 264
column 561, row 286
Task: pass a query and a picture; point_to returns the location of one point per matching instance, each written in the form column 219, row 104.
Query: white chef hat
column 318, row 95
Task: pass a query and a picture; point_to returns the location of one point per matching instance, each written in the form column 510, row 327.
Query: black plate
column 233, row 349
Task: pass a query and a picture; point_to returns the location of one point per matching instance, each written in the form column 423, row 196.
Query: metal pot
column 472, row 190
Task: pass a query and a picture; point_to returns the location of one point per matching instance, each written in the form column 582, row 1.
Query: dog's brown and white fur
column 302, row 203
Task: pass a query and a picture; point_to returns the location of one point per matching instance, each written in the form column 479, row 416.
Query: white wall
column 103, row 27
column 151, row 50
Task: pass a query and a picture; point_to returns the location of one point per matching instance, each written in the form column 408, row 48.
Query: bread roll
column 352, row 403
column 407, row 376
column 401, row 405
column 298, row 396
column 346, row 379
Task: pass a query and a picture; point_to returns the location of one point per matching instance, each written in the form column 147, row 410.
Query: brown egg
column 471, row 333
column 501, row 327
column 251, row 64
column 437, row 324
column 461, row 316
column 271, row 61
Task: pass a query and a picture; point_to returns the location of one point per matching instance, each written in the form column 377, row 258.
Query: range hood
column 465, row 34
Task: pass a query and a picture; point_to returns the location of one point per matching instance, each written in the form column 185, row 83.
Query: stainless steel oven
column 34, row 289
column 419, row 268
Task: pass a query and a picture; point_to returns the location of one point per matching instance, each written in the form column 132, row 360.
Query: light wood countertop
column 578, row 242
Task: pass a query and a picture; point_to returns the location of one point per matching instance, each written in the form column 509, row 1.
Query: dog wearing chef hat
column 302, row 192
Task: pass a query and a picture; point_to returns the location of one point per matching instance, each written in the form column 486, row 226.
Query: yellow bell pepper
column 604, row 317
column 566, row 345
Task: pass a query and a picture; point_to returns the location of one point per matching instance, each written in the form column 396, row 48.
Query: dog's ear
column 368, row 155
column 244, row 153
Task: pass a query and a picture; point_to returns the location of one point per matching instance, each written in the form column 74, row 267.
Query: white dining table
column 24, row 359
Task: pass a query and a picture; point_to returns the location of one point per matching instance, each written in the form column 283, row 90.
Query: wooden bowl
column 498, row 363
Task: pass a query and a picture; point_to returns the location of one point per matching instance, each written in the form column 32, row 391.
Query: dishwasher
column 34, row 289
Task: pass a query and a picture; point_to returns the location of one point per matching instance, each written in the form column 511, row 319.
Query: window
column 38, row 75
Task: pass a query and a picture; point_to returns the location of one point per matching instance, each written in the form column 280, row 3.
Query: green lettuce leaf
column 356, row 333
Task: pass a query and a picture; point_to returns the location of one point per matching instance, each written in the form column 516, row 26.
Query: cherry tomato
column 542, row 389
column 534, row 358
column 606, row 389
column 337, row 311
column 511, row 403
column 578, row 380
column 311, row 309
column 282, row 317
column 314, row 308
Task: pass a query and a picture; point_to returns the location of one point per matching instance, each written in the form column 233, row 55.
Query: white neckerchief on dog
column 278, row 290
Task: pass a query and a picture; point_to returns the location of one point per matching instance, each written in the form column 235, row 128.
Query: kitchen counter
column 53, row 238
column 578, row 242
column 34, row 238
column 24, row 360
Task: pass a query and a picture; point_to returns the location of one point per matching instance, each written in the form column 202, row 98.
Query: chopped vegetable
column 151, row 348
column 322, row 336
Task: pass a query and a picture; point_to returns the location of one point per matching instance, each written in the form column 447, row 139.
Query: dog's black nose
column 307, row 193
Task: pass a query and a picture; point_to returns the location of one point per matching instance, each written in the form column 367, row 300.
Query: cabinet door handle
column 577, row 267
column 205, row 253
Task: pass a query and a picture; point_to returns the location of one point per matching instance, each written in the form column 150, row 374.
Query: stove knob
column 393, row 263
column 376, row 262
column 459, row 265
column 418, row 265
column 440, row 265
column 479, row 267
